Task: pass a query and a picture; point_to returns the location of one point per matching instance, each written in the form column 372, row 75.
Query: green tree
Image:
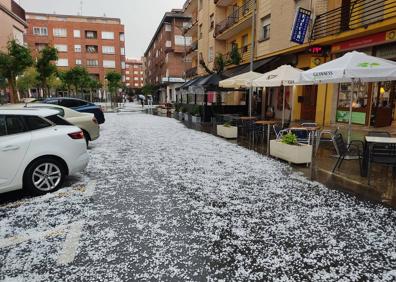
column 114, row 82
column 220, row 63
column 54, row 82
column 148, row 89
column 77, row 77
column 27, row 80
column 46, row 68
column 235, row 56
column 92, row 85
column 13, row 63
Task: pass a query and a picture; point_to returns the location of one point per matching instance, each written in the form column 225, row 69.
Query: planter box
column 186, row 117
column 300, row 154
column 229, row 132
column 195, row 119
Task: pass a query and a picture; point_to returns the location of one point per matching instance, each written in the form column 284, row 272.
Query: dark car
column 78, row 105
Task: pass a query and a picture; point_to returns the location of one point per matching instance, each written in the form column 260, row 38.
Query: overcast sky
column 140, row 17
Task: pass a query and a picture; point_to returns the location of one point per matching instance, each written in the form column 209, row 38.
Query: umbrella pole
column 283, row 106
column 350, row 112
column 250, row 100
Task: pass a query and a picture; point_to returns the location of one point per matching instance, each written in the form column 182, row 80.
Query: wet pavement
column 161, row 202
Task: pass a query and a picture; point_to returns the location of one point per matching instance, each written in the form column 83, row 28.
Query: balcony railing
column 236, row 16
column 244, row 53
column 193, row 47
column 360, row 13
column 18, row 10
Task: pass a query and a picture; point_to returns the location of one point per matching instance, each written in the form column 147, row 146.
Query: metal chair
column 384, row 154
column 344, row 150
column 279, row 131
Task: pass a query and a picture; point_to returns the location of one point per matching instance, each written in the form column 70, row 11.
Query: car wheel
column 44, row 175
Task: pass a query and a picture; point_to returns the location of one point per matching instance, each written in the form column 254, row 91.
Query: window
column 78, row 62
column 91, row 49
column 137, row 84
column 127, row 72
column 122, row 37
column 211, row 20
column 200, row 31
column 18, row 35
column 35, row 123
column 40, row 31
column 91, row 34
column 265, row 28
column 168, row 44
column 61, row 47
column 60, row 32
column 14, row 125
column 108, row 35
column 200, row 5
column 141, row 78
column 109, row 64
column 181, row 40
column 77, row 48
column 58, row 120
column 108, row 50
column 245, row 43
column 128, row 78
column 122, row 51
column 135, row 72
column 40, row 46
column 76, row 33
column 62, row 63
column 136, row 78
column 2, row 126
column 123, row 65
column 210, row 54
column 168, row 27
column 92, row 63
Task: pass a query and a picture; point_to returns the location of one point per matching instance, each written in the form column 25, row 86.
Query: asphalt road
column 160, row 202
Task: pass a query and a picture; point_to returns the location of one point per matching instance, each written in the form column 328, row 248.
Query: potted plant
column 177, row 111
column 228, row 131
column 287, row 148
column 196, row 114
column 185, row 114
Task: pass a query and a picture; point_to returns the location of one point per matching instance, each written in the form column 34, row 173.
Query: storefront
column 373, row 103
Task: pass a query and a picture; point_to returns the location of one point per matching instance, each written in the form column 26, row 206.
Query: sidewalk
column 347, row 178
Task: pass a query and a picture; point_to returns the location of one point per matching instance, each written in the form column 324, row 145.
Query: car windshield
column 58, row 120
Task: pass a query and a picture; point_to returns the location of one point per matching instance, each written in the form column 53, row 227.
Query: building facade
column 96, row 43
column 134, row 74
column 12, row 22
column 165, row 57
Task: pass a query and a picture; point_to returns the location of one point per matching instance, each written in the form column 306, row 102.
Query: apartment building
column 165, row 57
column 12, row 22
column 96, row 43
column 190, row 9
column 134, row 74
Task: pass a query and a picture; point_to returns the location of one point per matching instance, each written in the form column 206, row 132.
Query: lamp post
column 252, row 53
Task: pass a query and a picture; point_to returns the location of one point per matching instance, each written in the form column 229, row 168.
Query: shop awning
column 246, row 67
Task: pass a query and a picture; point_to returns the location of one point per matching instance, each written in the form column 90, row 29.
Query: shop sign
column 357, row 117
column 300, row 26
column 367, row 41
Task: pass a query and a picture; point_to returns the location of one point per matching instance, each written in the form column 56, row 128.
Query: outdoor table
column 267, row 123
column 369, row 140
column 247, row 118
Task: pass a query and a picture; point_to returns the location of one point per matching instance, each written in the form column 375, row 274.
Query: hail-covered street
column 161, row 202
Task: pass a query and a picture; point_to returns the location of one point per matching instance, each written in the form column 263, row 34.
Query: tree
column 76, row 77
column 114, row 82
column 27, row 80
column 13, row 63
column 220, row 63
column 235, row 56
column 46, row 68
column 93, row 85
column 54, row 82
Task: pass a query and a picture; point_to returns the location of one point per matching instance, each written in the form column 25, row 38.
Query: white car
column 86, row 121
column 35, row 153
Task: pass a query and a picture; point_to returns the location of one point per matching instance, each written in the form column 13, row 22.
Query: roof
column 168, row 15
column 73, row 16
column 29, row 112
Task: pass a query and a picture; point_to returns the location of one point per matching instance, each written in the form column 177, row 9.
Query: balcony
column 238, row 21
column 18, row 10
column 360, row 13
column 224, row 3
column 193, row 47
column 244, row 53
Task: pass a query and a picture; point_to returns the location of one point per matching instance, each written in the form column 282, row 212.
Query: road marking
column 90, row 190
column 71, row 243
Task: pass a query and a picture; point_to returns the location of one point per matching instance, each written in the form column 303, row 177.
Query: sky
column 140, row 17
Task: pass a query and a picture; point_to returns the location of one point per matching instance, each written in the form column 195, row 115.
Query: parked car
column 86, row 121
column 77, row 105
column 37, row 154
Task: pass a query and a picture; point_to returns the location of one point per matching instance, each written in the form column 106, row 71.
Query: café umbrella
column 285, row 75
column 354, row 67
